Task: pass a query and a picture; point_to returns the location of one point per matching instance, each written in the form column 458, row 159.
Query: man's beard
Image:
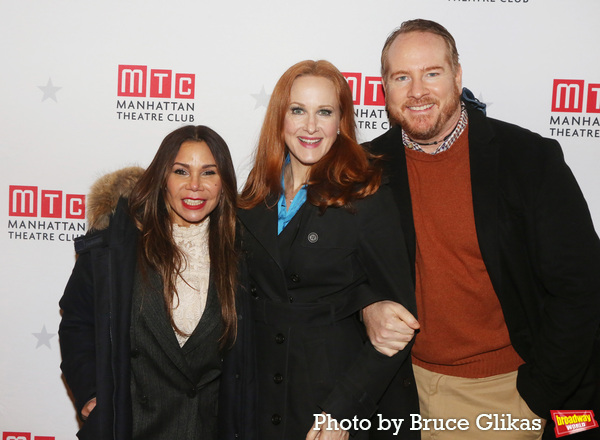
column 417, row 128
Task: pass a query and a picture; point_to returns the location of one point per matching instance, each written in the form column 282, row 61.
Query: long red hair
column 344, row 174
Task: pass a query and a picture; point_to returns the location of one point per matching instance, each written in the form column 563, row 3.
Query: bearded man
column 505, row 256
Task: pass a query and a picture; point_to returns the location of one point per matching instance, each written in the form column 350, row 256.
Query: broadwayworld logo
column 572, row 422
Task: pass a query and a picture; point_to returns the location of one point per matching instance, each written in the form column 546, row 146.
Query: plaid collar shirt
column 447, row 143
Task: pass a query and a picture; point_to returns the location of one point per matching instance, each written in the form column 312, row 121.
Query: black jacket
column 95, row 339
column 305, row 294
column 94, row 330
column 541, row 252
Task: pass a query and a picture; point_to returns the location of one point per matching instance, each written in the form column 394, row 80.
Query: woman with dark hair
column 150, row 304
column 321, row 241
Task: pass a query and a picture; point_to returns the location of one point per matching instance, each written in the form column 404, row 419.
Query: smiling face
column 193, row 184
column 422, row 90
column 311, row 122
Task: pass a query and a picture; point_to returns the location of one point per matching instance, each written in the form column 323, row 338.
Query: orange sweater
column 463, row 332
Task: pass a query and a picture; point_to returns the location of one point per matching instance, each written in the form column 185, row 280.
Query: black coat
column 541, row 252
column 94, row 330
column 96, row 345
column 307, row 287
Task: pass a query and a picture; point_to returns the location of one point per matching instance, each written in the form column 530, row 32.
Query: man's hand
column 323, row 433
column 87, row 409
column 390, row 326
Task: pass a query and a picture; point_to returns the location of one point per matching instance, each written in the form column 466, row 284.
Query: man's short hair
column 420, row 25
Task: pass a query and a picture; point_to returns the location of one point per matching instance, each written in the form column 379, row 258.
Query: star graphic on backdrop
column 49, row 90
column 43, row 337
column 262, row 98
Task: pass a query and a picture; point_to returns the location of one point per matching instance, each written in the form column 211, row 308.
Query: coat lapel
column 394, row 159
column 261, row 222
column 206, row 324
column 484, row 156
column 155, row 317
column 202, row 334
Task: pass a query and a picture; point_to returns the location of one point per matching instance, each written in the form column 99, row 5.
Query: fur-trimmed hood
column 105, row 193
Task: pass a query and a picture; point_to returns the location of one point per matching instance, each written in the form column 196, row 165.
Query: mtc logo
column 568, row 96
column 135, row 81
column 23, row 436
column 372, row 85
column 27, row 201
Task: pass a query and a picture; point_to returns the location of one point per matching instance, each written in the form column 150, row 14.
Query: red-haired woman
column 321, row 241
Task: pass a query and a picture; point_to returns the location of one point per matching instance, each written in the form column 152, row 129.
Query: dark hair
column 420, row 25
column 156, row 245
column 342, row 175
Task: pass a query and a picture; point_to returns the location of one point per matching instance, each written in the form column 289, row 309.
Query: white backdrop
column 64, row 121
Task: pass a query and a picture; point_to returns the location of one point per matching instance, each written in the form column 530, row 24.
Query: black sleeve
column 77, row 332
column 566, row 254
column 383, row 254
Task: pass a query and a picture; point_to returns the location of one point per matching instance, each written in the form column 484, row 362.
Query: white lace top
column 193, row 241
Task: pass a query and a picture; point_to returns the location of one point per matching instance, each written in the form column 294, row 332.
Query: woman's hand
column 390, row 326
column 326, row 430
column 88, row 407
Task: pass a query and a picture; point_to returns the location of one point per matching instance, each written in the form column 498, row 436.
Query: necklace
column 436, row 142
column 289, row 182
column 289, row 197
column 432, row 143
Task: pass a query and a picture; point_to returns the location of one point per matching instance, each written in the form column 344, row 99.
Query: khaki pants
column 488, row 408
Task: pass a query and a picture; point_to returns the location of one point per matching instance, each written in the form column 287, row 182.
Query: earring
column 338, row 131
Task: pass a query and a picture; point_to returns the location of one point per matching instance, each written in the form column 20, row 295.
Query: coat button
column 253, row 292
column 291, row 299
column 278, row 378
column 275, row 419
column 135, row 352
column 295, row 278
column 192, row 393
column 279, row 338
column 143, row 400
